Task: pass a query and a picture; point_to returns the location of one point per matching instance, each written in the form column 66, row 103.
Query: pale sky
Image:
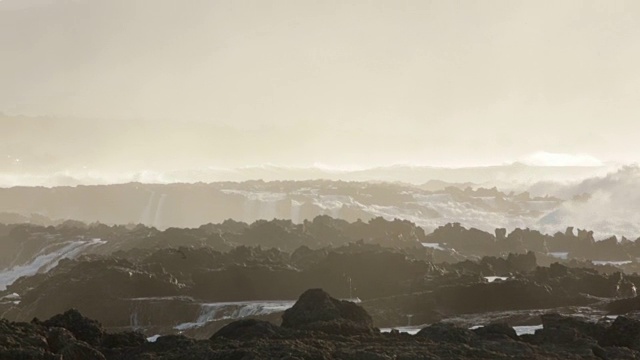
column 364, row 82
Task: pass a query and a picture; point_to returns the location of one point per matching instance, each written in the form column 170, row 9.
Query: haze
column 343, row 84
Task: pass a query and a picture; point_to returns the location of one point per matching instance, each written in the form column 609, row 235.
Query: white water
column 528, row 329
column 235, row 310
column 435, row 246
column 520, row 330
column 494, row 278
column 43, row 262
column 11, row 298
column 614, row 263
column 406, row 329
column 259, row 204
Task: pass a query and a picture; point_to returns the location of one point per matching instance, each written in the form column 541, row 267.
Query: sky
column 342, row 83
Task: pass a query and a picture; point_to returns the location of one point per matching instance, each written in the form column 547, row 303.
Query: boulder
column 559, row 329
column 172, row 342
column 623, row 332
column 315, row 306
column 84, row 329
column 496, row 331
column 22, row 336
column 623, row 306
column 522, row 262
column 58, row 338
column 79, row 350
column 445, row 332
column 247, row 329
column 123, row 339
column 584, row 328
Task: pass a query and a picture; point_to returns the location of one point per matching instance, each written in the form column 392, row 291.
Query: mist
column 345, row 85
column 303, row 179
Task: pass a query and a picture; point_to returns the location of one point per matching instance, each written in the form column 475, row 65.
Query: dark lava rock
column 79, row 350
column 316, row 305
column 87, row 330
column 496, row 331
column 252, row 339
column 559, row 329
column 21, row 336
column 58, row 338
column 623, row 332
column 498, row 296
column 584, row 328
column 522, row 262
column 172, row 342
column 123, row 340
column 624, row 306
column 248, row 329
column 444, row 332
column 341, row 327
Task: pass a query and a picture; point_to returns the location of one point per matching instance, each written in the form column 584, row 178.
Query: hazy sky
column 368, row 82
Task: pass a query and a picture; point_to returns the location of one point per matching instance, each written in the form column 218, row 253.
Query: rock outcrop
column 72, row 336
column 317, row 310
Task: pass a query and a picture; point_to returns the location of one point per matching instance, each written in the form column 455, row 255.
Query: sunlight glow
column 543, row 158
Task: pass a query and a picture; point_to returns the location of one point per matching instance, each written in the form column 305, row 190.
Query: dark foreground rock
column 317, row 310
column 246, row 329
column 307, row 336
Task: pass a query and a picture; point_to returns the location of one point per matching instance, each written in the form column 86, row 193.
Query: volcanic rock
column 58, row 338
column 559, row 329
column 79, row 350
column 248, row 329
column 623, row 332
column 623, row 306
column 125, row 339
column 445, row 332
column 21, row 338
column 87, row 330
column 315, row 306
column 496, row 331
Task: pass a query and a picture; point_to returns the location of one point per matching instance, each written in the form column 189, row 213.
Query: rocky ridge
column 321, row 327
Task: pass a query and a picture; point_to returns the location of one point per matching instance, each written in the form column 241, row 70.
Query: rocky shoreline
column 198, row 290
column 214, row 291
column 321, row 327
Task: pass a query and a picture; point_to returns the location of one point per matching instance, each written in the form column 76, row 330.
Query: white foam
column 614, row 263
column 12, row 296
column 234, row 310
column 436, row 246
column 520, row 330
column 43, row 262
column 405, row 329
column 526, row 329
column 559, row 255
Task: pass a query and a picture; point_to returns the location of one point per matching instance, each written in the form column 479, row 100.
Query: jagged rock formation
column 316, row 310
column 144, row 289
column 190, row 205
column 72, row 336
column 149, row 284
